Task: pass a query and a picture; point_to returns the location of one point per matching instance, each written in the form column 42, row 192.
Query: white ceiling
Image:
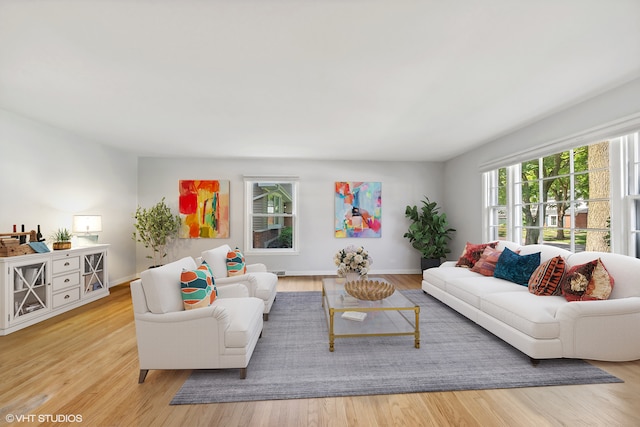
column 324, row 79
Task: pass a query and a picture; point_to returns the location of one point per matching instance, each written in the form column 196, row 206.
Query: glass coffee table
column 394, row 315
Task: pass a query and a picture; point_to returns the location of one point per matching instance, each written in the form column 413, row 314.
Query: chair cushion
column 161, row 286
column 236, row 266
column 217, row 260
column 197, row 287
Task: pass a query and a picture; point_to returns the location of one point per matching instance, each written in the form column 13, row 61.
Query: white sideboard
column 36, row 287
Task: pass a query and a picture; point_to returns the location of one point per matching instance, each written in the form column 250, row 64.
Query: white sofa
column 261, row 283
column 545, row 327
column 222, row 335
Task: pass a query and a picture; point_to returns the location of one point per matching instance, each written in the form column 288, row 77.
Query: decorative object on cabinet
column 61, row 239
column 204, row 209
column 154, row 228
column 39, row 286
column 358, row 209
column 85, row 227
column 10, row 243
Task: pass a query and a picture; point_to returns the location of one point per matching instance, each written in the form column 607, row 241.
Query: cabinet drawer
column 66, row 264
column 66, row 297
column 66, row 280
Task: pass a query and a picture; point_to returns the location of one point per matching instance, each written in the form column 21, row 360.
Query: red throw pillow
column 472, row 252
column 546, row 279
column 585, row 282
column 486, row 265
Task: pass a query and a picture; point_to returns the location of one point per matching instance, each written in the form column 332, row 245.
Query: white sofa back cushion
column 162, row 286
column 217, row 260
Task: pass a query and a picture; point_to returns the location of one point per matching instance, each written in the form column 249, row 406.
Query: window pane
column 272, row 215
column 272, row 232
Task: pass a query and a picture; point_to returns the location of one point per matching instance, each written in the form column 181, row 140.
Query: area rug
column 292, row 359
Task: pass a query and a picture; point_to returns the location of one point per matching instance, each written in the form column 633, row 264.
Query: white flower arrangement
column 352, row 260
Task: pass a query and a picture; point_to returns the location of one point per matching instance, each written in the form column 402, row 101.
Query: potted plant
column 154, row 228
column 61, row 239
column 429, row 232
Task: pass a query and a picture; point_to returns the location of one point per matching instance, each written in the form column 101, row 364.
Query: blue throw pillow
column 516, row 268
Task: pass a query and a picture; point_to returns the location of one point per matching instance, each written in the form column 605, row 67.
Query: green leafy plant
column 429, row 231
column 61, row 235
column 154, row 228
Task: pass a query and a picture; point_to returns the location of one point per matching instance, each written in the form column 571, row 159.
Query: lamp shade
column 87, row 223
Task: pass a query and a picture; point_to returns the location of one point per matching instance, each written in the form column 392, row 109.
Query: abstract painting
column 204, row 209
column 358, row 209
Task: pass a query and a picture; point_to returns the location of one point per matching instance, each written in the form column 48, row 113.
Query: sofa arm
column 233, row 290
column 449, row 264
column 601, row 330
column 245, row 279
column 256, row 268
column 215, row 312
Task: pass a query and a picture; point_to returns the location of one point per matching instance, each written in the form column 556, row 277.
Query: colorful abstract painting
column 358, row 209
column 204, row 209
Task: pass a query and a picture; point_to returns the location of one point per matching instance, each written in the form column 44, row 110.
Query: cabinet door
column 30, row 295
column 94, row 272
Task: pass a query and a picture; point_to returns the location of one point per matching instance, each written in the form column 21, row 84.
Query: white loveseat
column 222, row 335
column 545, row 327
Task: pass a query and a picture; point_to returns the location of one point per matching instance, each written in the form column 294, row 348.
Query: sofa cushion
column 217, row 260
column 161, row 286
column 525, row 312
column 546, row 251
column 472, row 252
column 245, row 316
column 516, row 268
column 589, row 281
column 236, row 266
column 486, row 265
column 438, row 277
column 197, row 288
column 472, row 289
column 546, row 279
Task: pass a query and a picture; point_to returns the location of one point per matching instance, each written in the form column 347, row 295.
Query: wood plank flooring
column 84, row 363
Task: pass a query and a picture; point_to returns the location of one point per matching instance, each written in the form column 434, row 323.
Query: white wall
column 463, row 196
column 49, row 175
column 403, row 183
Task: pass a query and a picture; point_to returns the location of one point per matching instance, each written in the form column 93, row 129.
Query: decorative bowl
column 369, row 290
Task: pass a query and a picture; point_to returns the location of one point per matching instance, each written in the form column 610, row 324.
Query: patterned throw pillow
column 547, row 277
column 487, row 262
column 472, row 252
column 516, row 268
column 236, row 265
column 197, row 288
column 586, row 282
column 215, row 288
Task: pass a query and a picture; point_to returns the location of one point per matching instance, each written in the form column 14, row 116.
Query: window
column 562, row 199
column 271, row 215
column 632, row 143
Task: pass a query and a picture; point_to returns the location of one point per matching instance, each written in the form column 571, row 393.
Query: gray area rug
column 292, row 359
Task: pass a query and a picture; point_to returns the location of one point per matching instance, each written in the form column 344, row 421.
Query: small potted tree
column 429, row 232
column 61, row 239
column 154, row 229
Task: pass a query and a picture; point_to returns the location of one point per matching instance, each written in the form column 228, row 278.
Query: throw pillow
column 472, row 252
column 546, row 279
column 215, row 288
column 516, row 268
column 197, row 288
column 585, row 282
column 486, row 265
column 236, row 265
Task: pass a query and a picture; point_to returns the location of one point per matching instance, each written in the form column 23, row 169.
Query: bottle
column 15, row 230
column 39, row 237
column 23, row 238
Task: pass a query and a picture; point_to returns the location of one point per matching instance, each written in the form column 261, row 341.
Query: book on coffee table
column 354, row 315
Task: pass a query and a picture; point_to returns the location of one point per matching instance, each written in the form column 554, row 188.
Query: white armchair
column 220, row 336
column 260, row 283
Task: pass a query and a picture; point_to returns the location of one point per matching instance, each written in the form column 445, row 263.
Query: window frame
column 275, row 220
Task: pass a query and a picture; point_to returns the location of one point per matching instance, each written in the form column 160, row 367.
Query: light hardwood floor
column 84, row 363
